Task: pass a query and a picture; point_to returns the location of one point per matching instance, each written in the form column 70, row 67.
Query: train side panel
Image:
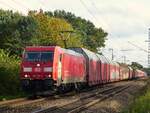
column 112, row 72
column 130, row 73
column 102, row 69
column 73, row 68
column 106, row 64
column 124, row 72
column 117, row 69
column 139, row 73
column 93, row 75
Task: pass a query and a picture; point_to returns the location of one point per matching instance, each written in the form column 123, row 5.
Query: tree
column 53, row 31
column 91, row 37
column 147, row 70
column 27, row 27
column 8, row 33
column 136, row 65
column 60, row 31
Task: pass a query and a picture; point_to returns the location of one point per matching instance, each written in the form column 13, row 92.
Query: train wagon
column 103, row 68
column 138, row 73
column 131, row 76
column 114, row 71
column 92, row 66
column 107, row 70
column 124, row 72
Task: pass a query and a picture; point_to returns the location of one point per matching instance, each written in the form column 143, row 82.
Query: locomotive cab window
column 39, row 56
column 46, row 56
column 32, row 56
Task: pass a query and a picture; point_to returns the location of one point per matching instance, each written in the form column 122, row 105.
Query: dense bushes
column 9, row 71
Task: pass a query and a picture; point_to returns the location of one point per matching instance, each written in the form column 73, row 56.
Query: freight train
column 52, row 68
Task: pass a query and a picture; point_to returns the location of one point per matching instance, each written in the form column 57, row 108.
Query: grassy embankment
column 141, row 103
column 9, row 76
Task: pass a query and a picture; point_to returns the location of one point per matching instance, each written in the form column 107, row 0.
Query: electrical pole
column 148, row 57
column 149, row 47
column 112, row 53
column 65, row 38
column 124, row 59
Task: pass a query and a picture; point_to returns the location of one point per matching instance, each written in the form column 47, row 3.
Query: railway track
column 6, row 105
column 7, row 102
column 84, row 102
column 59, row 103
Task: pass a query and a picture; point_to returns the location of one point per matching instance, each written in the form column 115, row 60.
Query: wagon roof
column 103, row 59
column 90, row 54
column 71, row 52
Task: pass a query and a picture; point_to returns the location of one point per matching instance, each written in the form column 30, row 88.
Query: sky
column 126, row 21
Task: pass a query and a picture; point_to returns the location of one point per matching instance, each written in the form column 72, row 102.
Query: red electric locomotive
column 51, row 67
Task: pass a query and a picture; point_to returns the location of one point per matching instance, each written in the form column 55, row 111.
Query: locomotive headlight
column 47, row 69
column 27, row 69
column 25, row 76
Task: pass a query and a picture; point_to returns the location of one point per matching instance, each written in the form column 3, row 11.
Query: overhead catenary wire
column 7, row 5
column 106, row 19
column 138, row 47
column 21, row 5
column 89, row 11
column 42, row 4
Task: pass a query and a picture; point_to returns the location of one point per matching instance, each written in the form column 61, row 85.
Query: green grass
column 141, row 103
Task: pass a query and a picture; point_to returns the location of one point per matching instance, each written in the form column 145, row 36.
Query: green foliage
column 136, row 65
column 27, row 27
column 9, row 71
column 147, row 70
column 8, row 21
column 16, row 31
column 53, row 31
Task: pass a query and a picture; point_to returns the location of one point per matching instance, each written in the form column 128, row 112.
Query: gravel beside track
column 85, row 102
column 120, row 102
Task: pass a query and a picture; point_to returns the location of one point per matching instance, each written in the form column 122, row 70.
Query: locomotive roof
column 40, row 48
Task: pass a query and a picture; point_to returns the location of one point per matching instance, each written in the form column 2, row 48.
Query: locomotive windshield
column 39, row 56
